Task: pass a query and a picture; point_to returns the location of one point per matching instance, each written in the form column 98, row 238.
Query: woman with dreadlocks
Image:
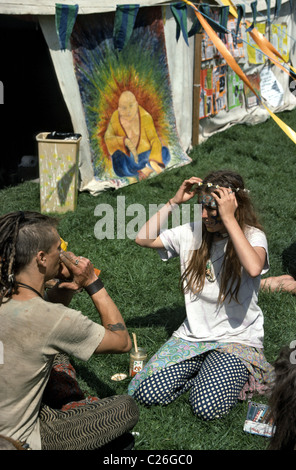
column 217, row 351
column 34, row 332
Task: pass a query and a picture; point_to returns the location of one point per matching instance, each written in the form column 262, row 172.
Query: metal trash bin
column 58, row 171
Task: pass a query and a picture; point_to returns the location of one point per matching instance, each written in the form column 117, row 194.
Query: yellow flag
column 233, row 64
column 261, row 40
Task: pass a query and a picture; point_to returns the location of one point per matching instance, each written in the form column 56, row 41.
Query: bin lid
column 58, row 136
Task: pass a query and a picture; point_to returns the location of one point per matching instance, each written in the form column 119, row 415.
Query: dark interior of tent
column 32, row 101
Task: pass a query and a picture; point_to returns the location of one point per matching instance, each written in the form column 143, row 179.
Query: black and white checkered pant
column 214, row 379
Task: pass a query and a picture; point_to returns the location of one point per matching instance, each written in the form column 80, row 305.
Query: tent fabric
column 63, row 64
column 47, row 7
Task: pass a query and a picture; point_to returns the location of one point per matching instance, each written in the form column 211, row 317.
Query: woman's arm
column 252, row 258
column 148, row 236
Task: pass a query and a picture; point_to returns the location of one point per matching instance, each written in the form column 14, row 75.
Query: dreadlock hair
column 194, row 275
column 22, row 235
column 282, row 401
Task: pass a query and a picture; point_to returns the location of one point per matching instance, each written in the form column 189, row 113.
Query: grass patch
column 146, row 289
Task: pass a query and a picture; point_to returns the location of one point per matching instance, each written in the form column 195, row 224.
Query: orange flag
column 233, row 64
column 262, row 42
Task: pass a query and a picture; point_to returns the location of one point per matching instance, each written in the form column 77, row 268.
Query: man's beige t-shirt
column 32, row 332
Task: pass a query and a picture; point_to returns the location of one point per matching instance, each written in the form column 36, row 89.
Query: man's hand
column 77, row 270
column 129, row 144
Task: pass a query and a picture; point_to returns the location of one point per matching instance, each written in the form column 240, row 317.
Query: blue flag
column 65, row 18
column 124, row 23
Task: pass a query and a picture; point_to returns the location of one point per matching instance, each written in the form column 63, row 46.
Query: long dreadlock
column 22, row 235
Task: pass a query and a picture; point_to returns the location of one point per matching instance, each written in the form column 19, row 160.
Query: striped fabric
column 71, row 421
column 65, row 18
column 88, row 427
column 124, row 22
column 224, row 12
column 179, row 11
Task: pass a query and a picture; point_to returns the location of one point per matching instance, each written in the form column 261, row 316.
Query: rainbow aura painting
column 126, row 147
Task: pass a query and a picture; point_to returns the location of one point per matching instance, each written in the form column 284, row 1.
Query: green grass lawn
column 146, row 289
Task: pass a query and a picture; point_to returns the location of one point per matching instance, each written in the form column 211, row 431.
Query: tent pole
column 196, row 88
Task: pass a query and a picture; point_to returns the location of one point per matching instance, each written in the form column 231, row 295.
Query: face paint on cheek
column 208, row 200
column 216, row 218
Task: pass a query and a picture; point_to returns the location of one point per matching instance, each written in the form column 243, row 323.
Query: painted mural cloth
column 176, row 350
column 126, row 96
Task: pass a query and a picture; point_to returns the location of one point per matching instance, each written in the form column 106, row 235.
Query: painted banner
column 126, row 95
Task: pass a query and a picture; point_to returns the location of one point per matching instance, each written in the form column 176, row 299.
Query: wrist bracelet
column 94, row 287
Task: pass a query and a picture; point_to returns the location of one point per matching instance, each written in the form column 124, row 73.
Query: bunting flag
column 268, row 11
column 179, row 11
column 240, row 15
column 124, row 23
column 195, row 28
column 277, row 8
column 236, row 68
column 224, row 12
column 267, row 48
column 219, row 28
column 254, row 12
column 65, row 17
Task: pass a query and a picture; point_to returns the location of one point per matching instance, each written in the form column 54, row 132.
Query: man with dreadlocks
column 217, row 352
column 34, row 331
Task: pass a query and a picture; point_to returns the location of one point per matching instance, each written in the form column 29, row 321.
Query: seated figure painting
column 132, row 141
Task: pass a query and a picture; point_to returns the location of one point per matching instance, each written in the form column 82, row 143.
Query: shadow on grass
column 169, row 318
column 289, row 260
column 101, row 387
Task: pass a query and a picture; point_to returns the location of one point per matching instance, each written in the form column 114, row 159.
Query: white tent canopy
column 47, row 7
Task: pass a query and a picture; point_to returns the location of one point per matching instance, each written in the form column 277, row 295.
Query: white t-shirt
column 206, row 319
column 32, row 333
